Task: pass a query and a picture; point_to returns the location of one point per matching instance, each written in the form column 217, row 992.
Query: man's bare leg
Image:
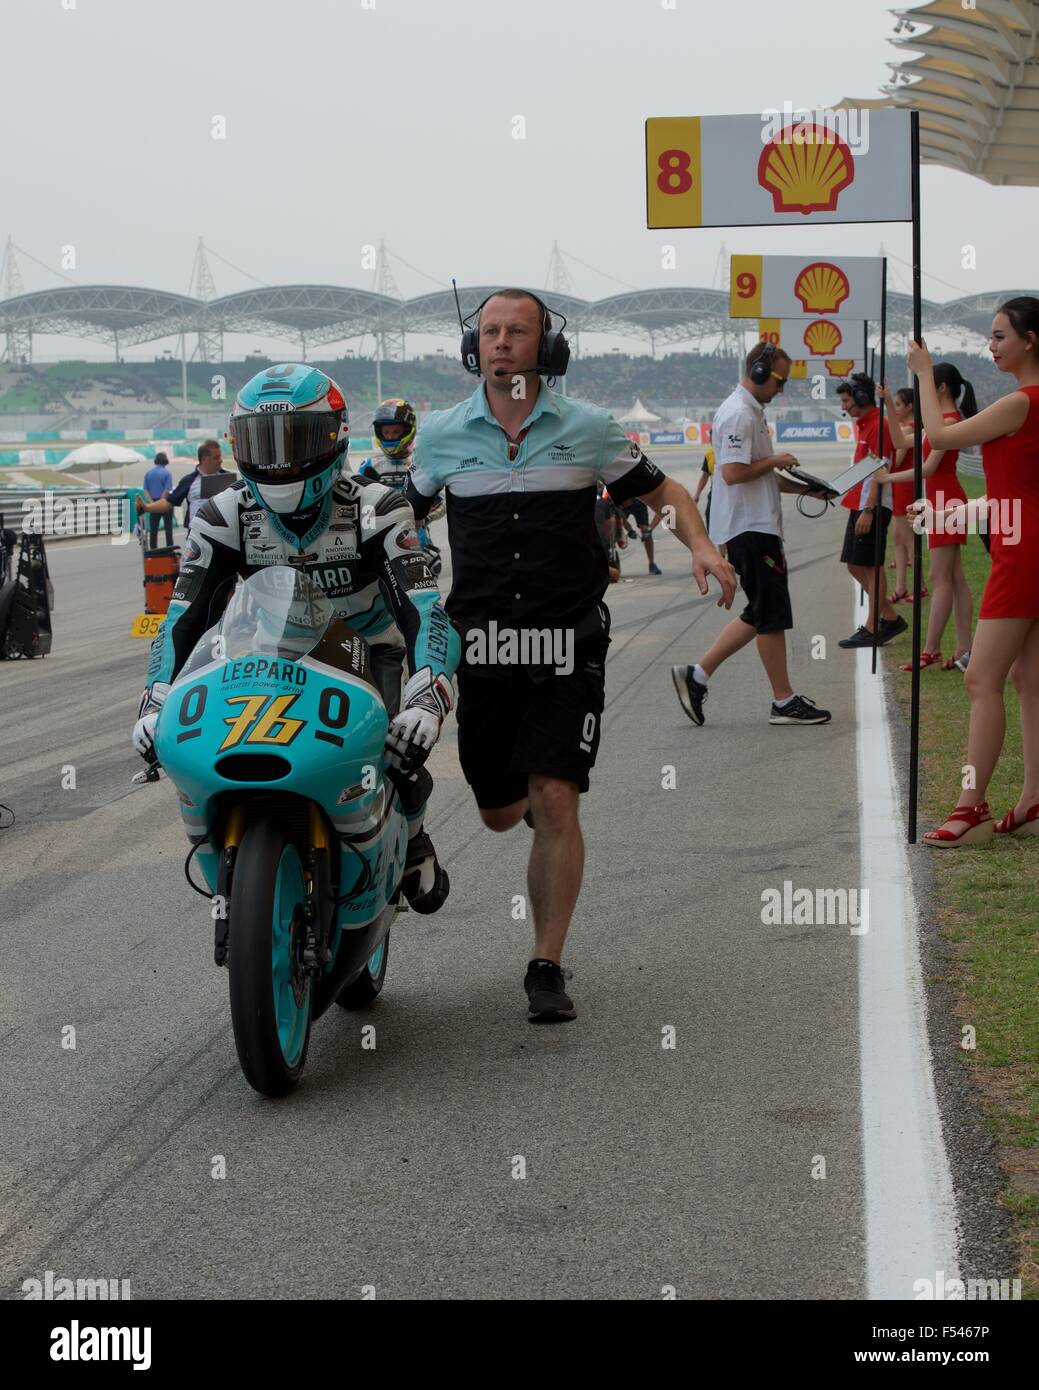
column 733, row 637
column 556, row 862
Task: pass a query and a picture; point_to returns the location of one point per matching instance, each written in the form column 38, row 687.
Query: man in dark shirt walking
column 520, row 466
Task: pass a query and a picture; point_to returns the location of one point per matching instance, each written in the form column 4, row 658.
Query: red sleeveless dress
column 944, row 486
column 1012, row 479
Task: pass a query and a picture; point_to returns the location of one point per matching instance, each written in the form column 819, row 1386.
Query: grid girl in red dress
column 1006, row 641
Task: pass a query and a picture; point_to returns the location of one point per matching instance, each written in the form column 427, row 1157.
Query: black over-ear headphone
column 553, row 349
column 860, row 395
column 761, row 367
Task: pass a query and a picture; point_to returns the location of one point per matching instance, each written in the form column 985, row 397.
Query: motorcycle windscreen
column 276, row 612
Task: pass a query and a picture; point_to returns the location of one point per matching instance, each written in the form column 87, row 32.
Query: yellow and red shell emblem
column 840, row 366
column 821, row 287
column 805, row 167
column 822, row 338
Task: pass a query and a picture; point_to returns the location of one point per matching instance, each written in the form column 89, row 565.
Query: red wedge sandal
column 1010, row 825
column 978, row 828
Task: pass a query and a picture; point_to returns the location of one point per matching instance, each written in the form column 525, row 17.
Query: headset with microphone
column 861, row 395
column 553, row 349
column 761, row 367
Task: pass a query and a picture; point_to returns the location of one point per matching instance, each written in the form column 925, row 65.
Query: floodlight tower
column 390, row 332
column 729, row 341
column 19, row 340
column 210, row 340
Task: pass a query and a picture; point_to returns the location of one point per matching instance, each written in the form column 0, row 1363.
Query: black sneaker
column 861, row 637
column 891, row 627
column 800, row 710
column 691, row 693
column 549, row 1001
column 425, row 883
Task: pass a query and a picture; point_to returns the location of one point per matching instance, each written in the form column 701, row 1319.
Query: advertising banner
column 773, row 167
column 806, row 288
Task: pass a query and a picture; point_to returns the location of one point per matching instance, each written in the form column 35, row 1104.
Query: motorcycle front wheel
column 270, row 992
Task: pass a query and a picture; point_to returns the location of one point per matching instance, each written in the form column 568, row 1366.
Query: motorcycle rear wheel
column 363, row 992
column 270, row 995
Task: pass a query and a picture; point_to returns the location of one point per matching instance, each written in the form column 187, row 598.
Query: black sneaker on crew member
column 691, row 692
column 549, row 1001
column 799, row 710
column 861, row 637
column 891, row 627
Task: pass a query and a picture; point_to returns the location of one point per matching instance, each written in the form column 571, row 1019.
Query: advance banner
column 806, row 288
column 779, row 167
column 807, row 432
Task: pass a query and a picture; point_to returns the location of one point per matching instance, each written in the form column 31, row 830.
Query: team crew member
column 942, row 486
column 705, row 480
column 748, row 519
column 158, row 481
column 1006, row 639
column 355, row 540
column 869, row 504
column 901, row 405
column 638, row 512
column 607, row 523
column 209, row 478
column 520, row 465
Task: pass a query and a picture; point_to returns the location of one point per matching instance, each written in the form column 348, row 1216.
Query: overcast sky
column 348, row 121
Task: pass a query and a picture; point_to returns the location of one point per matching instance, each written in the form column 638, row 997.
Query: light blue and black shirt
column 525, row 551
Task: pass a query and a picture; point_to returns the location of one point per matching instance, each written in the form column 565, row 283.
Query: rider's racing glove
column 427, row 701
column 148, row 716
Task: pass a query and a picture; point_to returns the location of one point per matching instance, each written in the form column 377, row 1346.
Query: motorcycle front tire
column 270, row 997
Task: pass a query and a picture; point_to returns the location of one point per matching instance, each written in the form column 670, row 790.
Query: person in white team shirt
column 747, row 517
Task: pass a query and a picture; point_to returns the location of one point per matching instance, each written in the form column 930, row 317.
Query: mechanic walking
column 520, row 466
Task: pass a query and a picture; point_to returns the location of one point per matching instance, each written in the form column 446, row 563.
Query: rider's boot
column 425, row 884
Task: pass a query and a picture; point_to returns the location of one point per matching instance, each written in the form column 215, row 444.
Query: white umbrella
column 101, row 454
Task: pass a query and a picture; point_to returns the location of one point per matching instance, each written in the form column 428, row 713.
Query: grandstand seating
column 677, row 384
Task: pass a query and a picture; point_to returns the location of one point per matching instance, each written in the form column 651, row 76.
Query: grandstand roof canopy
column 315, row 314
column 975, row 84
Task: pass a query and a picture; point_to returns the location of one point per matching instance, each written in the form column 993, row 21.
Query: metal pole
column 878, row 558
column 918, row 490
column 183, row 382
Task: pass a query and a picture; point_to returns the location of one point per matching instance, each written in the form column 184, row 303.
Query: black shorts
column 515, row 722
column 759, row 561
column 861, row 550
column 638, row 511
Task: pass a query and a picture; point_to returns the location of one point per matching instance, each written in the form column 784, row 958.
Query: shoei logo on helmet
column 335, row 398
column 274, row 407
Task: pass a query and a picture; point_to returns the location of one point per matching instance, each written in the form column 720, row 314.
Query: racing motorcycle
column 274, row 737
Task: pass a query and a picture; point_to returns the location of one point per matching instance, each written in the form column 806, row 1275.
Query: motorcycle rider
column 355, row 538
column 393, row 429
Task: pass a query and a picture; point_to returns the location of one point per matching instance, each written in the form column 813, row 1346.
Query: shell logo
column 822, row 338
column 805, row 167
column 844, row 431
column 821, row 287
column 840, row 366
column 692, row 434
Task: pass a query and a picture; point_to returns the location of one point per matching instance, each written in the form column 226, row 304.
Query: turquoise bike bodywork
column 275, row 725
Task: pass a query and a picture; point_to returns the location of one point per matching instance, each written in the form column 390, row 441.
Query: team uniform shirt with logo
column 740, row 435
column 524, row 543
column 867, row 442
column 362, row 551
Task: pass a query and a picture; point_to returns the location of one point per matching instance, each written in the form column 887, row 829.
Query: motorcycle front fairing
column 277, row 703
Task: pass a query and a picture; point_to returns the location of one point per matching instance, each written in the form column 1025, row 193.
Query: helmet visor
column 283, row 448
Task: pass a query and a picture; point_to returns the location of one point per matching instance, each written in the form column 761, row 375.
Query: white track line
column 909, row 1203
